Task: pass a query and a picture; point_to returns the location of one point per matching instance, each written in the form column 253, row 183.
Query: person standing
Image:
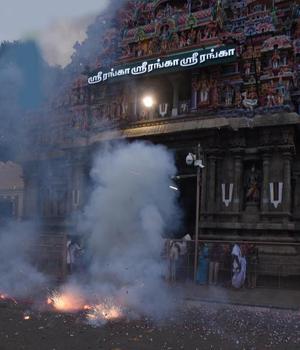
column 73, row 250
column 202, row 271
column 238, row 267
column 214, row 263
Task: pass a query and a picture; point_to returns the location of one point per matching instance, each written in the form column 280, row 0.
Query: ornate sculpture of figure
column 258, row 66
column 280, row 92
column 127, row 51
column 153, row 46
column 168, row 10
column 271, row 95
column 199, row 36
column 164, row 38
column 247, row 68
column 204, row 92
column 283, row 94
column 211, row 31
column 188, row 6
column 238, row 97
column 182, row 42
column 228, row 95
column 252, row 185
column 124, row 106
column 275, row 60
column 175, row 41
column 248, row 103
column 214, row 93
column 139, row 51
column 191, row 37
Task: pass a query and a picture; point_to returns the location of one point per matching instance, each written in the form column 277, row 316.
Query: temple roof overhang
column 181, row 126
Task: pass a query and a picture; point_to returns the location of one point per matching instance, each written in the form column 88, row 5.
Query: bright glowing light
column 174, row 188
column 96, row 314
column 26, row 317
column 66, row 301
column 148, row 101
column 7, row 297
column 103, row 312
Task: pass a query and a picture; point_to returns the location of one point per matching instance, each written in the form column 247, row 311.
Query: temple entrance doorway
column 187, row 200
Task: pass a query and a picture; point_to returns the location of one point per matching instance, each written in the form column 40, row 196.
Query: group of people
column 237, row 264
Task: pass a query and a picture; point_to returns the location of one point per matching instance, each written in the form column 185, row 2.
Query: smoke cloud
column 19, row 276
column 56, row 26
column 130, row 210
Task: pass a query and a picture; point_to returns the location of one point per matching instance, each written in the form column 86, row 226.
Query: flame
column 96, row 313
column 7, row 297
column 68, row 301
column 104, row 312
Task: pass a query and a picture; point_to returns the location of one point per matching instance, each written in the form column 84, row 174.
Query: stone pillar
column 175, row 84
column 203, row 203
column 237, row 195
column 78, row 186
column 194, row 99
column 31, row 191
column 286, row 205
column 21, row 205
column 212, row 183
column 265, row 197
column 135, row 101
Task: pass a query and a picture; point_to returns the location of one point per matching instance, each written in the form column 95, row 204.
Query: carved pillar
column 78, row 186
column 194, row 105
column 212, row 183
column 287, row 182
column 31, row 190
column 203, row 204
column 237, row 183
column 175, row 84
column 134, row 101
column 265, row 184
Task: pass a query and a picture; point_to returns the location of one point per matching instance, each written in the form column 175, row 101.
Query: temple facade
column 223, row 74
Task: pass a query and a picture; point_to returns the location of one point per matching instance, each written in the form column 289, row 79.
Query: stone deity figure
column 247, row 68
column 165, row 38
column 275, row 60
column 252, row 185
column 191, row 37
column 214, row 93
column 228, row 95
column 271, row 95
column 183, row 41
column 199, row 36
column 175, row 41
column 204, row 92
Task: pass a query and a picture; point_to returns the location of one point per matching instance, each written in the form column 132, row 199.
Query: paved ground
column 276, row 298
column 197, row 325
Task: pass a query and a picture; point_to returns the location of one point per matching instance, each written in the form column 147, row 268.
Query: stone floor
column 263, row 297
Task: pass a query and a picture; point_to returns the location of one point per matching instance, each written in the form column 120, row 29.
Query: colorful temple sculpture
column 225, row 74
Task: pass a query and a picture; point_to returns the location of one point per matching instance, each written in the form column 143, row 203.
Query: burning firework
column 96, row 313
column 7, row 297
column 103, row 312
column 68, row 301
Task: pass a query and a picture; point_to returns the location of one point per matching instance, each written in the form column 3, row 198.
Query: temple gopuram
column 223, row 74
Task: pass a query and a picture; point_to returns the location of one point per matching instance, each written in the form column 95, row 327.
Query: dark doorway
column 6, row 209
column 187, row 200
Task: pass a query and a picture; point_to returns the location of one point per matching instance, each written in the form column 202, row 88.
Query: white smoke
column 56, row 25
column 130, row 209
column 19, row 276
column 58, row 40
